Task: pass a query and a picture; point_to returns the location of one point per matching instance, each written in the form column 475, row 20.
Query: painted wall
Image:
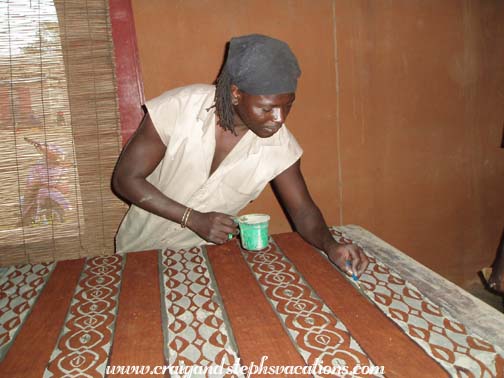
column 399, row 110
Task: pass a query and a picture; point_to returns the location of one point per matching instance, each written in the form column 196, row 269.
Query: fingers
column 225, row 219
column 223, row 226
column 350, row 259
column 342, row 258
column 229, row 226
column 221, row 236
column 359, row 261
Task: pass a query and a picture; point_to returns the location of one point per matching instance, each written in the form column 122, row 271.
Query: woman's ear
column 236, row 94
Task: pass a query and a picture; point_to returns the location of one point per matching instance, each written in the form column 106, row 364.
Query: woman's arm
column 140, row 157
column 310, row 223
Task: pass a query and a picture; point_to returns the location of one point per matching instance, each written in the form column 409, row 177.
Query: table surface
column 286, row 306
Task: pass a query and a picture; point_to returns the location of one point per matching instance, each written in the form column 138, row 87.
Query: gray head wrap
column 261, row 65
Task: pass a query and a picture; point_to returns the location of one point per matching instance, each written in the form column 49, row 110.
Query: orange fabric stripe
column 380, row 338
column 32, row 349
column 256, row 328
column 138, row 338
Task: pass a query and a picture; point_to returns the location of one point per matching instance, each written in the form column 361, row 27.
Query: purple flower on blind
column 46, row 188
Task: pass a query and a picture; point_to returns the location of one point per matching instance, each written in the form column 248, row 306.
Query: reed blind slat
column 59, row 130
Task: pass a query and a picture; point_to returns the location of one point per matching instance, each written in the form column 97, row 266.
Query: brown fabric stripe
column 138, row 336
column 381, row 339
column 31, row 352
column 255, row 326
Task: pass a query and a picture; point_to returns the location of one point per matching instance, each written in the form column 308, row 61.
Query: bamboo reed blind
column 59, row 130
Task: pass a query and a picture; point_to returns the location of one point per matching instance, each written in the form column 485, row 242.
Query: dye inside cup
column 254, row 231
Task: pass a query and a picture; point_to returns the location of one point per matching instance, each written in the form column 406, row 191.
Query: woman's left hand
column 339, row 254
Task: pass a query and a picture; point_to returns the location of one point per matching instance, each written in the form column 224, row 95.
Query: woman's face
column 263, row 114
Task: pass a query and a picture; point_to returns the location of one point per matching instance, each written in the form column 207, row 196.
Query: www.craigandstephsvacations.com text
column 252, row 369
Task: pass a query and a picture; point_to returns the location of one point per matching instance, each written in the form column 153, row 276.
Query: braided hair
column 223, row 105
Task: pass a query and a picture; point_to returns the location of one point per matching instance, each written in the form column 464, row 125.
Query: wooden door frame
column 128, row 73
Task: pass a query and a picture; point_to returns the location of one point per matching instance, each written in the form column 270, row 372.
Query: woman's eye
column 266, row 110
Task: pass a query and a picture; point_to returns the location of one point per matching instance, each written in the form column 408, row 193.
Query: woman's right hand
column 214, row 227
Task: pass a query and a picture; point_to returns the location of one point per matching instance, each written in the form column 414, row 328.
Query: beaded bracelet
column 185, row 217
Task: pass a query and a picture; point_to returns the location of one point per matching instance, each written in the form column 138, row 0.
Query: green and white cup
column 254, row 231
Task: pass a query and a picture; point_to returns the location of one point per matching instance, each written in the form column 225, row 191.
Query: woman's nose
column 278, row 115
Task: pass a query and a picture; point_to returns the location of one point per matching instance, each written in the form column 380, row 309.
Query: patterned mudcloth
column 442, row 337
column 20, row 287
column 84, row 344
column 198, row 330
column 195, row 329
column 314, row 328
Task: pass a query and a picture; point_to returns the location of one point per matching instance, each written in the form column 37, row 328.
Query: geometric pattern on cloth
column 84, row 344
column 20, row 287
column 314, row 329
column 195, row 326
column 443, row 338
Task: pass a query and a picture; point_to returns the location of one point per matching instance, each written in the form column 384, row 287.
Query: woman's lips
column 271, row 129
